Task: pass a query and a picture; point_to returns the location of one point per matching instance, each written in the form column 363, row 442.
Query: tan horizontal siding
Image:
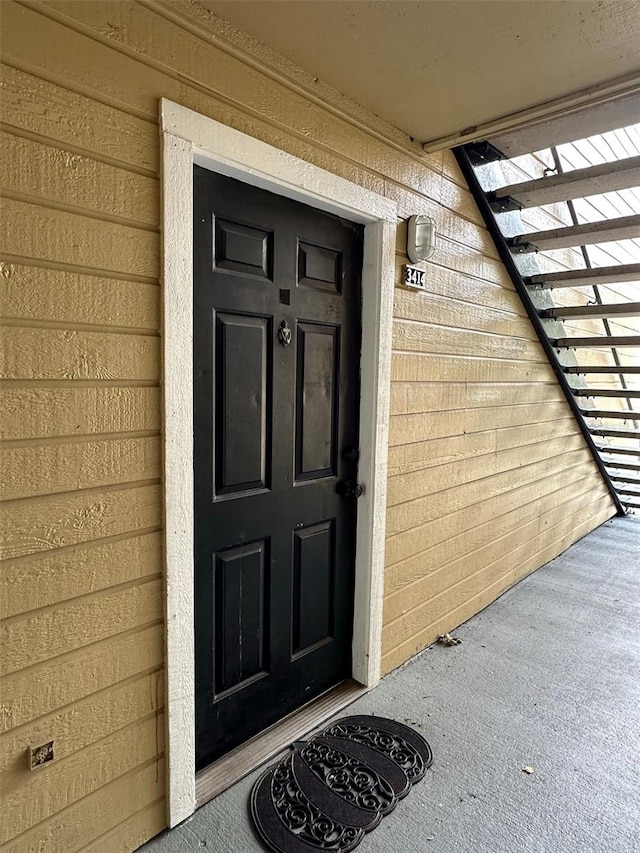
column 420, row 455
column 426, row 577
column 33, row 411
column 418, row 367
column 416, row 336
column 412, row 513
column 132, row 832
column 30, row 353
column 42, row 233
column 191, row 71
column 449, row 254
column 95, row 814
column 489, row 476
column 456, row 605
column 411, row 398
column 67, row 466
column 68, row 298
column 73, row 121
column 46, row 523
column 496, row 295
column 79, row 776
column 408, row 486
column 42, row 634
column 541, row 491
column 412, row 429
column 41, row 580
column 29, row 694
column 78, row 727
column 460, row 536
column 444, row 311
column 57, row 177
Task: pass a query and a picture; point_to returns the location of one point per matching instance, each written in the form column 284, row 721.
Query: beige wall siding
column 489, row 477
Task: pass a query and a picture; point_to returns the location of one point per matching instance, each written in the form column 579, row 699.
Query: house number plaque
column 414, row 277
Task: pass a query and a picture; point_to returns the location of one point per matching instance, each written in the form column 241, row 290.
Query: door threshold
column 229, row 769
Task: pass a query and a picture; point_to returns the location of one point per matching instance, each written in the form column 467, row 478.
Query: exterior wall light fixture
column 421, row 238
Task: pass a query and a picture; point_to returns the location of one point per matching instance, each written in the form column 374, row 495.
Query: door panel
column 242, row 639
column 319, row 267
column 243, row 249
column 317, row 381
column 243, row 397
column 274, row 542
column 313, row 585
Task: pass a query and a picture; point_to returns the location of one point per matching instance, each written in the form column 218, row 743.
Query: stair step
column 630, row 504
column 603, row 231
column 598, row 341
column 607, row 177
column 631, row 492
column 626, row 466
column 601, row 368
column 634, row 481
column 615, row 433
column 625, row 451
column 576, row 124
column 624, row 415
column 593, row 312
column 625, row 393
column 576, row 278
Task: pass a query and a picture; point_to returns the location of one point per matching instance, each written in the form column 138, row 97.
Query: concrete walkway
column 547, row 676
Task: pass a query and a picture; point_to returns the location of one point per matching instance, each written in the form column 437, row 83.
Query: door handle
column 349, row 489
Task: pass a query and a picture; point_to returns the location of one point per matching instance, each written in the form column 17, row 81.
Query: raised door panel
column 317, row 384
column 313, row 586
column 241, row 615
column 242, row 249
column 319, row 267
column 243, row 404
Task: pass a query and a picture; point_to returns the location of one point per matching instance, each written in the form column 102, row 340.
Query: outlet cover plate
column 40, row 755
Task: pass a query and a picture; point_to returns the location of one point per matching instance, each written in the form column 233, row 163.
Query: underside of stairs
column 566, row 222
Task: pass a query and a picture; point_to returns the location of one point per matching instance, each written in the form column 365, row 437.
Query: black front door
column 276, row 390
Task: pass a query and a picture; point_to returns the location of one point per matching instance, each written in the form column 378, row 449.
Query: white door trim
column 189, row 138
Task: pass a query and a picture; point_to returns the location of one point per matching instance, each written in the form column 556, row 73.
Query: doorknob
column 349, row 489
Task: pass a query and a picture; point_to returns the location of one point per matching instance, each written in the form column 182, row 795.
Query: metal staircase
column 586, row 313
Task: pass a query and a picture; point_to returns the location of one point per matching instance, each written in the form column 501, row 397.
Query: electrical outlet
column 40, row 755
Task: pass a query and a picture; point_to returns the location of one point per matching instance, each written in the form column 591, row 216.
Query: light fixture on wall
column 421, row 238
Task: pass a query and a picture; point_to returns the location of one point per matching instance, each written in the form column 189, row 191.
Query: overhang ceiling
column 438, row 67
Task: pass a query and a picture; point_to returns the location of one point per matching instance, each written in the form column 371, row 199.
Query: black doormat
column 338, row 785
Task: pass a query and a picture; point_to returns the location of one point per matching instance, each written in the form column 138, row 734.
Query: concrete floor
column 547, row 676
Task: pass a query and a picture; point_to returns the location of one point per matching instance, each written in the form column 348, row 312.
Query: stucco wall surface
column 489, row 476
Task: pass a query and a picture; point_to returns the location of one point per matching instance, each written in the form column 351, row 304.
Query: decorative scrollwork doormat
column 337, row 785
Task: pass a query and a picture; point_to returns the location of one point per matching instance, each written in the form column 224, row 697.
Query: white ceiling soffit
column 448, row 71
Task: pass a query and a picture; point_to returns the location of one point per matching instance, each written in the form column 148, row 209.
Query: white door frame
column 189, row 138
